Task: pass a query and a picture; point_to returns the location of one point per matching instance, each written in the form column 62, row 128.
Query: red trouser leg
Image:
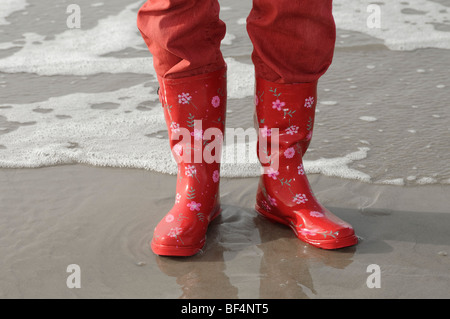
column 183, row 36
column 293, row 41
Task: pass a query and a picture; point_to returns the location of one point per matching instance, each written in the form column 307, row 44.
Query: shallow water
column 102, row 220
column 89, row 95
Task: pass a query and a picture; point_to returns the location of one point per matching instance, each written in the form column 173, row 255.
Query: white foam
column 242, row 21
column 394, row 181
column 368, row 118
column 228, row 39
column 339, row 167
column 241, row 79
column 7, row 7
column 120, row 137
column 100, row 135
column 426, row 180
column 329, row 103
column 80, row 52
column 104, row 137
column 399, row 30
column 115, row 138
column 123, row 137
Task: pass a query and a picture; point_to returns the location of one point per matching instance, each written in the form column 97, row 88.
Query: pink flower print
column 300, row 199
column 177, row 149
column 190, row 171
column 289, row 153
column 272, row 201
column 216, row 176
column 177, row 198
column 197, row 134
column 272, row 173
column 291, row 130
column 169, row 218
column 266, row 206
column 184, row 98
column 301, row 170
column 309, row 136
column 215, row 101
column 316, row 214
column 194, row 206
column 278, row 105
column 265, row 131
column 309, row 102
column 256, row 100
column 174, row 232
column 175, row 127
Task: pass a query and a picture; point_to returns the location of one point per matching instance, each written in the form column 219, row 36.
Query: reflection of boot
column 199, row 280
column 286, row 263
column 284, row 270
column 194, row 109
column 196, row 274
column 284, row 194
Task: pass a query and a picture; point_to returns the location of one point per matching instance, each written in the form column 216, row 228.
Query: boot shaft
column 194, row 110
column 290, row 108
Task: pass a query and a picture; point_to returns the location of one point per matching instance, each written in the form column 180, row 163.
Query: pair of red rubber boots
column 194, row 109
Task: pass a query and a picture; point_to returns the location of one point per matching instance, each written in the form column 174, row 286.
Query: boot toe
column 330, row 239
column 178, row 239
column 166, row 245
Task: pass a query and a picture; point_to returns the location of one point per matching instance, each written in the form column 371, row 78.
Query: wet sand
column 102, row 220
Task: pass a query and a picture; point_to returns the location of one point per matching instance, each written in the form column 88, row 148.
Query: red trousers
column 293, row 40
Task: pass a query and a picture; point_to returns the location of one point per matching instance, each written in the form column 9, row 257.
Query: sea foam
column 403, row 25
column 8, row 7
column 109, row 129
column 81, row 52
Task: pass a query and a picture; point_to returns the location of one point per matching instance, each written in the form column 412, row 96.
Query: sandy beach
column 86, row 170
column 102, row 220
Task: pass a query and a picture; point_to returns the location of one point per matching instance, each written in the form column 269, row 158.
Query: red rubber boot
column 194, row 109
column 284, row 194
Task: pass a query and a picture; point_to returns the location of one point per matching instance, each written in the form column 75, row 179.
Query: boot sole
column 181, row 251
column 334, row 243
column 178, row 251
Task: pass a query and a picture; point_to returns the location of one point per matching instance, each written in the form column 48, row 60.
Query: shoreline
column 358, row 194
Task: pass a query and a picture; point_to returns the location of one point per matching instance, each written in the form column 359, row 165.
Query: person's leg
column 184, row 37
column 293, row 41
column 293, row 46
